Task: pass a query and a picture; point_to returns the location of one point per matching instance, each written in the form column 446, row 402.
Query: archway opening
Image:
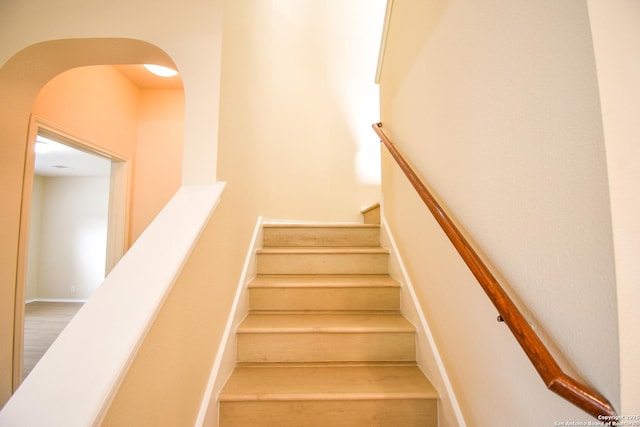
column 22, row 79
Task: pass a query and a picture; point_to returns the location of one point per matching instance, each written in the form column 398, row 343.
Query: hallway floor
column 43, row 323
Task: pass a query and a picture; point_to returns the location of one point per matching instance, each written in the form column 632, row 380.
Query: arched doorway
column 21, row 79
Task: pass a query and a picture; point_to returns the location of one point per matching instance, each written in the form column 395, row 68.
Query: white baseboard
column 208, row 413
column 418, row 317
column 82, row 300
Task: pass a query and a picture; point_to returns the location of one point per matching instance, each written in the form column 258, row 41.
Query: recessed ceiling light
column 161, row 71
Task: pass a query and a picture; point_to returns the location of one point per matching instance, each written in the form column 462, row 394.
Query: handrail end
column 583, row 397
column 557, row 381
column 377, row 128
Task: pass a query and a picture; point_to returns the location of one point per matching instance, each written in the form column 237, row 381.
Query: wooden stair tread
column 327, row 383
column 320, row 225
column 321, row 235
column 325, row 281
column 279, row 250
column 339, row 364
column 324, row 322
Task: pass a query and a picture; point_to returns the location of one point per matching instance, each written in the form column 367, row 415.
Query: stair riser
column 319, row 236
column 324, row 299
column 326, row 347
column 341, row 263
column 348, row 413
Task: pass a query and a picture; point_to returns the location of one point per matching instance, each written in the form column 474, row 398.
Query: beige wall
column 165, row 384
column 278, row 85
column 616, row 30
column 312, row 60
column 159, row 154
column 69, row 261
column 297, row 102
column 97, row 103
column 496, row 104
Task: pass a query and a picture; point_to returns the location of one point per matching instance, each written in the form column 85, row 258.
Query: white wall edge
column 75, row 381
column 407, row 286
column 383, row 40
column 208, row 413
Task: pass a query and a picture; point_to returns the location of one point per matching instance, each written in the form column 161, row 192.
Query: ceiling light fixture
column 161, row 71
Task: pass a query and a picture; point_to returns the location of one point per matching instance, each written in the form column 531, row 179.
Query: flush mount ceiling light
column 161, row 71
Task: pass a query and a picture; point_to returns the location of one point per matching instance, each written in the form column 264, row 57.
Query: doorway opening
column 77, row 232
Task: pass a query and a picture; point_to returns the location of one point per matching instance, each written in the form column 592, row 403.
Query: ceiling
column 63, row 160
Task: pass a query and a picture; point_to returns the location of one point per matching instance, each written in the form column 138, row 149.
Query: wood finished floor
column 43, row 322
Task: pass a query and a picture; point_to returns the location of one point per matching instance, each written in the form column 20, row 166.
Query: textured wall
column 297, row 101
column 496, row 104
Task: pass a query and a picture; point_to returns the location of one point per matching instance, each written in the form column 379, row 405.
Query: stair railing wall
column 553, row 376
column 76, row 380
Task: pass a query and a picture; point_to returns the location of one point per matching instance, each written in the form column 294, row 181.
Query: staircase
column 324, row 343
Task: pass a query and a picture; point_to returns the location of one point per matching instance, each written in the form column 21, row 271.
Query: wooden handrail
column 553, row 376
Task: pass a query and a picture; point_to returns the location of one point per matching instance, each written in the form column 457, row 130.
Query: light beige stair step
column 324, row 292
column 326, row 260
column 325, row 338
column 327, row 383
column 324, row 280
column 320, row 322
column 371, row 214
column 324, row 343
column 321, row 235
column 334, row 413
column 328, row 396
column 321, row 364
